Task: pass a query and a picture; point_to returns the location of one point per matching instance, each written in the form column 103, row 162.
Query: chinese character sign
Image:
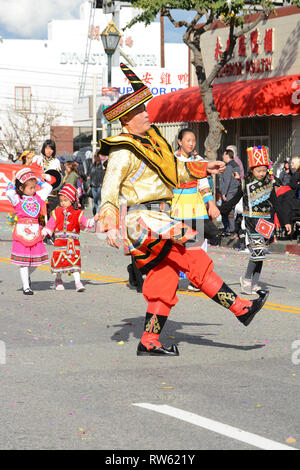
column 255, row 55
column 160, row 81
column 129, row 41
column 268, row 40
column 183, row 79
column 254, row 41
column 253, row 44
column 242, row 46
column 218, row 49
column 147, row 78
column 165, row 78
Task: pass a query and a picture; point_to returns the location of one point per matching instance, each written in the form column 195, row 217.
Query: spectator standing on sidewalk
column 285, row 174
column 236, row 158
column 295, row 179
column 95, row 178
column 71, row 172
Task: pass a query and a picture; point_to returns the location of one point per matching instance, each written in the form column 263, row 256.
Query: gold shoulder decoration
column 154, row 148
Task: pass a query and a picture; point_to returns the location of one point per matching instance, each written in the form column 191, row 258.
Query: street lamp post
column 110, row 39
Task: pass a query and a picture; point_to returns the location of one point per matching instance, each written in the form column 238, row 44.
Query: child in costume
column 193, row 201
column 66, row 222
column 259, row 206
column 48, row 161
column 28, row 250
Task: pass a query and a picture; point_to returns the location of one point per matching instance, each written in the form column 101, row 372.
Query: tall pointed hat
column 141, row 94
column 258, row 156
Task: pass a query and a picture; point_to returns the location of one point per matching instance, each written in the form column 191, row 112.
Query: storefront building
column 257, row 94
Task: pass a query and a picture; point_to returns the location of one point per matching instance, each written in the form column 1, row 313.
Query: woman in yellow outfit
column 193, row 200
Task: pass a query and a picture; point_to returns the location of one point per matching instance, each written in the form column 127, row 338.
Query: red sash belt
column 192, row 184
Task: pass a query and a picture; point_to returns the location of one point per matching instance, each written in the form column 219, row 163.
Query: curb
column 285, row 248
column 293, row 249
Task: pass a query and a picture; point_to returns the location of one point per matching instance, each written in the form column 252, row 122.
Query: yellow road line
column 268, row 305
column 285, row 306
column 98, row 277
column 115, row 280
column 289, row 309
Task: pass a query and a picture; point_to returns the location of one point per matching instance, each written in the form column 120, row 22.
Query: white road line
column 215, row 426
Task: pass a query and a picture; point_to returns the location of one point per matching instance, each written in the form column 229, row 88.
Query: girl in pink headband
column 28, row 194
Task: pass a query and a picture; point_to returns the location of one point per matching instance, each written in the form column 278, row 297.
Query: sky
column 28, row 19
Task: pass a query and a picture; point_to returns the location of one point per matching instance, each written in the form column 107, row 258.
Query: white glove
column 45, row 232
column 46, row 177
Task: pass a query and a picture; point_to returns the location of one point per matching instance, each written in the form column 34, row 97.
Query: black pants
column 52, row 203
column 135, row 276
column 211, row 232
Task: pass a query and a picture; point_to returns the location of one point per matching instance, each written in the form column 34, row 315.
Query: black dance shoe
column 257, row 304
column 157, row 351
column 27, row 291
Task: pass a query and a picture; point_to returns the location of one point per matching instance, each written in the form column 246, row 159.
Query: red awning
column 278, row 96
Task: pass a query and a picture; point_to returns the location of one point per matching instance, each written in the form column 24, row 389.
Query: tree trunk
column 213, row 140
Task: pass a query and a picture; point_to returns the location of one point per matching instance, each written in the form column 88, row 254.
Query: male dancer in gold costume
column 142, row 171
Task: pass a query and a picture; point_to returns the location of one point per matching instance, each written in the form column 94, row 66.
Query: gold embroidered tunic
column 133, row 179
column 129, row 177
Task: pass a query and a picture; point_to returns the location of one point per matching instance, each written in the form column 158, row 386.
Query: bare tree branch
column 26, row 131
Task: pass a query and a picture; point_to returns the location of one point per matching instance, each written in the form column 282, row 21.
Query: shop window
column 252, row 132
column 22, row 98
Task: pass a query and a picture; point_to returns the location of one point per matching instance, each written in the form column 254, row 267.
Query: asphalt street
column 70, row 377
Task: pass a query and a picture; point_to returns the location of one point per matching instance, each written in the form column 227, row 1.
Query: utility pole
column 162, row 41
column 116, row 19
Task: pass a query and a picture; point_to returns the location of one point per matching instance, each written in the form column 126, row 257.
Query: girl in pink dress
column 28, row 249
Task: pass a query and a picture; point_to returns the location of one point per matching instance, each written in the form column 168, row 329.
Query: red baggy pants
column 161, row 283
